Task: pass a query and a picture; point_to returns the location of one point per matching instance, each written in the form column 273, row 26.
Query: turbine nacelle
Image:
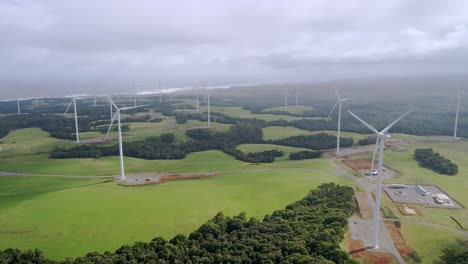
column 384, row 135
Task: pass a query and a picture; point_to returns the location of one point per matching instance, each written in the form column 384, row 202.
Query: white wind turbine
column 208, row 102
column 18, row 105
column 198, row 103
column 338, row 131
column 117, row 115
column 381, row 136
column 73, row 101
column 457, row 115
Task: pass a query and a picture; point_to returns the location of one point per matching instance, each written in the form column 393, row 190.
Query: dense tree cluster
column 367, row 141
column 307, row 231
column 316, row 142
column 267, row 156
column 306, row 154
column 165, row 147
column 455, row 255
column 427, row 158
column 57, row 126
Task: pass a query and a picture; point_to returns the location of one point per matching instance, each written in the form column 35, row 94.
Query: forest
column 307, row 231
column 429, row 159
column 300, row 155
column 316, row 142
column 165, row 147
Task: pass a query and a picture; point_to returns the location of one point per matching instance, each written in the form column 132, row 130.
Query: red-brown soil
column 357, row 250
column 171, row 177
column 359, row 164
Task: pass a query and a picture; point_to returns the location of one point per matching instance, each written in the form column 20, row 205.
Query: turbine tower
column 134, row 96
column 77, row 133
column 456, row 116
column 382, row 135
column 18, row 105
column 198, row 103
column 338, row 131
column 110, row 107
column 117, row 115
column 208, row 102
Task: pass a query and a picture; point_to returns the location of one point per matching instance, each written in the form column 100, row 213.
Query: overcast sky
column 181, row 42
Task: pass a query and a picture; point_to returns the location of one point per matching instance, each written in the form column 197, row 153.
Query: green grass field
column 99, row 217
column 27, row 138
column 429, row 241
column 72, row 216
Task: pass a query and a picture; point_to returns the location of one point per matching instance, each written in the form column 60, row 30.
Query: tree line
column 165, row 146
column 427, row 158
column 319, row 141
column 307, row 231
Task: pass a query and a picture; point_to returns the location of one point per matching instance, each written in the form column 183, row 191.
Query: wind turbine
column 381, row 136
column 456, row 116
column 110, row 107
column 134, row 96
column 117, row 115
column 208, row 102
column 18, row 104
column 77, row 133
column 198, row 103
column 338, row 131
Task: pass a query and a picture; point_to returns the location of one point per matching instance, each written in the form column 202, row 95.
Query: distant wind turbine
column 338, row 131
column 209, row 113
column 18, row 105
column 381, row 136
column 198, row 103
column 117, row 115
column 77, row 132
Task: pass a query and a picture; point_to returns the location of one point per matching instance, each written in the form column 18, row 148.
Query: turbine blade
column 132, row 107
column 68, row 107
column 337, row 94
column 331, row 112
column 112, row 122
column 394, row 122
column 365, row 123
column 112, row 102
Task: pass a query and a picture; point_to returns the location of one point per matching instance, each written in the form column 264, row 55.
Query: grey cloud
column 228, row 40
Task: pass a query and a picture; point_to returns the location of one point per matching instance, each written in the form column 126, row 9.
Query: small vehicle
column 374, row 172
column 148, row 179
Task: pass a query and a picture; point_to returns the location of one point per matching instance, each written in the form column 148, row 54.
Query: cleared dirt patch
column 155, row 178
column 359, row 164
column 365, row 209
column 363, row 166
column 394, row 232
column 403, row 208
column 357, row 250
column 398, row 240
column 166, row 178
